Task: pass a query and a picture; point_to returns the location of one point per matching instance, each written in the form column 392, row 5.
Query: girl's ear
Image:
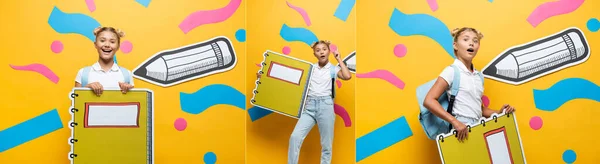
column 454, row 46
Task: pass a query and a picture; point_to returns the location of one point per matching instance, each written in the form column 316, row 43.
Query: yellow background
column 504, row 24
column 27, row 38
column 267, row 138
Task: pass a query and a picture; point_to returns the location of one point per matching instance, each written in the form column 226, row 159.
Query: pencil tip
column 491, row 70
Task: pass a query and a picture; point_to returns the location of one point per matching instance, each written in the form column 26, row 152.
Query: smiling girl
column 105, row 73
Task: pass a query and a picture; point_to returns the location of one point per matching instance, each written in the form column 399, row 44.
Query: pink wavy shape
column 485, row 100
column 39, row 68
column 258, row 65
column 339, row 83
column 432, row 4
column 301, row 12
column 550, row 9
column 384, row 75
column 91, row 5
column 341, row 111
column 209, row 16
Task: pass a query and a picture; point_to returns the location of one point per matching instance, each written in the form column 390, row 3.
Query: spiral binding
column 73, row 124
column 482, row 122
column 258, row 82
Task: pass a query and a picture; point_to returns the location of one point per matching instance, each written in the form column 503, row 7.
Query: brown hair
column 117, row 32
column 457, row 31
column 326, row 42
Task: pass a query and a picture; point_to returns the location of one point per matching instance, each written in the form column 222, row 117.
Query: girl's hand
column 507, row 109
column 96, row 87
column 462, row 131
column 337, row 55
column 125, row 87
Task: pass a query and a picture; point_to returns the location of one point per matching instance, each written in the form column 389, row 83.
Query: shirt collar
column 324, row 67
column 463, row 68
column 97, row 67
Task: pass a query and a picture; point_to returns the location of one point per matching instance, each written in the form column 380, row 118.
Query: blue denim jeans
column 467, row 120
column 318, row 110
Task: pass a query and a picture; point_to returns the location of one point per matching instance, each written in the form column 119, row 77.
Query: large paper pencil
column 174, row 66
column 283, row 84
column 523, row 63
column 495, row 140
column 113, row 128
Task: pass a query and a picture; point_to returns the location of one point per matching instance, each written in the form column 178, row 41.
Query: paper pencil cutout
column 174, row 66
column 523, row 63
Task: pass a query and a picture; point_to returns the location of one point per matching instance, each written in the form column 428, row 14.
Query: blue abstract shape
column 343, row 9
column 210, row 158
column 240, row 35
column 569, row 156
column 297, row 34
column 563, row 91
column 593, row 24
column 215, row 94
column 65, row 23
column 422, row 24
column 145, row 3
column 257, row 113
column 382, row 138
column 29, row 130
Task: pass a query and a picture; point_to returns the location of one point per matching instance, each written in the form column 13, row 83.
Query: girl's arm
column 487, row 112
column 436, row 108
column 433, row 105
column 344, row 74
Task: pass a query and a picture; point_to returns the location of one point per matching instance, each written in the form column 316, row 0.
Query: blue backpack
column 86, row 72
column 432, row 124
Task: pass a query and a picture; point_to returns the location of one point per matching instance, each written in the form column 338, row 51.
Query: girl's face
column 107, row 44
column 321, row 52
column 467, row 45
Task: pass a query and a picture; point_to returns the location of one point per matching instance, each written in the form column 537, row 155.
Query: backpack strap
column 126, row 75
column 481, row 76
column 333, row 77
column 84, row 76
column 454, row 86
column 453, row 91
column 455, row 82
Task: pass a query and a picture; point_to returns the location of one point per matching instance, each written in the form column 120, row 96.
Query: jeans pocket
column 328, row 101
